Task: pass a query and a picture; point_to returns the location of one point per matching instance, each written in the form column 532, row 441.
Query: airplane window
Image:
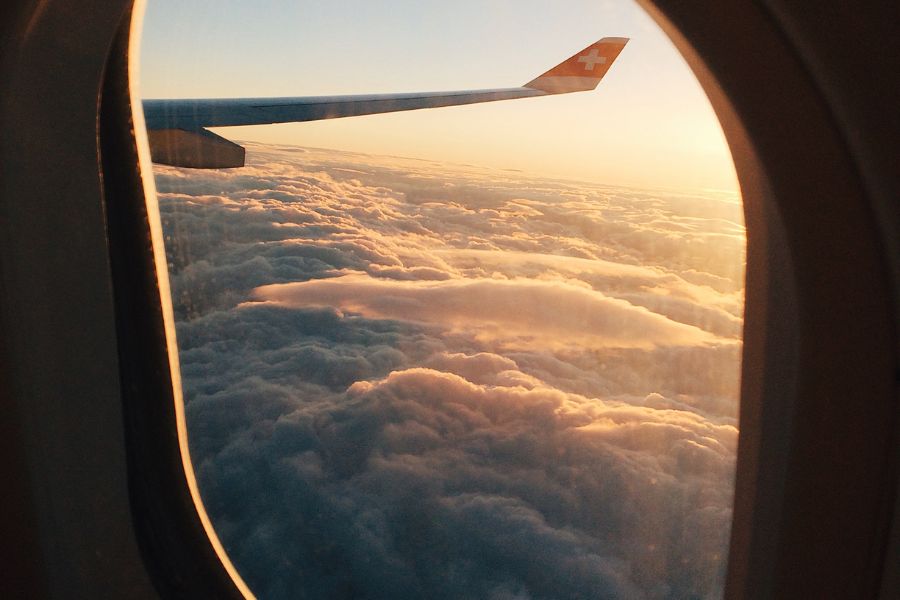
column 481, row 351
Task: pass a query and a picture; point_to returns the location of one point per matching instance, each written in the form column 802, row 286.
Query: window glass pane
column 489, row 351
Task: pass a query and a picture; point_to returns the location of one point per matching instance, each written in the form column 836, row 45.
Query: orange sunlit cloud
column 512, row 313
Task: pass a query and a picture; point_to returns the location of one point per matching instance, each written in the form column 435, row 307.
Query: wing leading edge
column 176, row 128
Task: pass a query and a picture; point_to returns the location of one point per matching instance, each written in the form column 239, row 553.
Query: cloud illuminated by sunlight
column 518, row 313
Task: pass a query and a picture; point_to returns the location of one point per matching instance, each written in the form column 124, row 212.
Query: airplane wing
column 178, row 134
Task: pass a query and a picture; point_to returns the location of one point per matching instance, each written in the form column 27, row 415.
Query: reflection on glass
column 419, row 379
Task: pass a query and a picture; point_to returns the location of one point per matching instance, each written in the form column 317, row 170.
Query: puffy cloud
column 406, row 379
column 424, row 483
column 483, row 368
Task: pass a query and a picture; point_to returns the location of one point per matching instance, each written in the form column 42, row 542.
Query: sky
column 648, row 124
column 415, row 379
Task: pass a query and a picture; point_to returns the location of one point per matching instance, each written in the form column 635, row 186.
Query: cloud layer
column 509, row 312
column 407, row 379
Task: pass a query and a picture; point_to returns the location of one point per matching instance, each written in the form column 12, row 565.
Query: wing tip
column 582, row 71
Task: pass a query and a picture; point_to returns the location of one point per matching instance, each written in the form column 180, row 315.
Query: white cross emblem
column 592, row 58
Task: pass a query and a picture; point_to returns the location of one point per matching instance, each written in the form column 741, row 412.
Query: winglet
column 583, row 71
